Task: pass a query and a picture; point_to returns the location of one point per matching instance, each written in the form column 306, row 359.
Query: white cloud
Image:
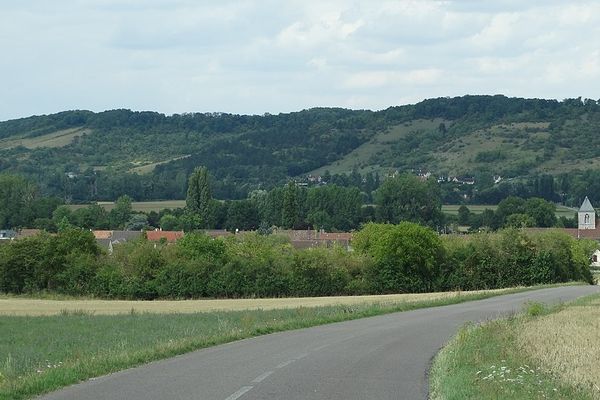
column 269, row 56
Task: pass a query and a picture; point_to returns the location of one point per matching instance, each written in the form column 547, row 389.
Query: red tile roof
column 170, row 236
column 102, row 234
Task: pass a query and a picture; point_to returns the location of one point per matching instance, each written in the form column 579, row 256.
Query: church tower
column 587, row 215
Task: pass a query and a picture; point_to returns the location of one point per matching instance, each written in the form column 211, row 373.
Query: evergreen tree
column 199, row 194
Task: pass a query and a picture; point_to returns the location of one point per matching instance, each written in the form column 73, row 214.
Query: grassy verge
column 536, row 355
column 44, row 353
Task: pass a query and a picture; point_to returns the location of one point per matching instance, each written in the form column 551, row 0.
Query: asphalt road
column 384, row 357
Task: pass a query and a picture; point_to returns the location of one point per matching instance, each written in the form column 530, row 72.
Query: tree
column 169, row 222
column 121, row 213
column 290, row 216
column 406, row 198
column 541, row 211
column 137, row 222
column 199, row 195
column 519, row 221
column 464, row 215
column 242, row 215
column 16, row 197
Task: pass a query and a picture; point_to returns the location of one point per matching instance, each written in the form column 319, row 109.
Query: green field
column 145, row 206
column 452, row 209
column 54, row 139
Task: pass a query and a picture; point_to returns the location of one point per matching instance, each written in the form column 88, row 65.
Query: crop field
column 544, row 339
column 545, row 353
column 479, row 208
column 145, row 206
column 38, row 307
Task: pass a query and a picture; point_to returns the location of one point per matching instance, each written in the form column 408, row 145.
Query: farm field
column 37, row 307
column 43, row 353
column 524, row 357
column 147, row 206
column 479, row 208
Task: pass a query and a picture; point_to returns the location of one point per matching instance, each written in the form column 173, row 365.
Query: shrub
column 406, row 256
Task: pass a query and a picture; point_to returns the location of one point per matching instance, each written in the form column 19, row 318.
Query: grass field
column 479, row 208
column 55, row 139
column 147, row 167
column 378, row 147
column 37, row 307
column 542, row 354
column 145, row 206
column 43, row 353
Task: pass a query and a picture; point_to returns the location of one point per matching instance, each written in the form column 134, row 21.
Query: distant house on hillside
column 6, row 235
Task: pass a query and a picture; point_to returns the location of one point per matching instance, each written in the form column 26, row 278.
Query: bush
column 406, row 257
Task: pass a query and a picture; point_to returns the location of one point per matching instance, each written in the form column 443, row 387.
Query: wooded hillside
column 81, row 155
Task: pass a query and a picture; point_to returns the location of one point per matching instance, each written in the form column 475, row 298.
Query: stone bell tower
column 587, row 215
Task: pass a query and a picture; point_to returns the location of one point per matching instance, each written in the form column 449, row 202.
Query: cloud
column 252, row 56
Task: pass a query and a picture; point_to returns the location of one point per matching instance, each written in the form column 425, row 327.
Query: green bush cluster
column 248, row 265
column 513, row 258
column 387, row 259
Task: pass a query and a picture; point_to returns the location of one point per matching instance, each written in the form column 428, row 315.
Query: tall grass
column 531, row 356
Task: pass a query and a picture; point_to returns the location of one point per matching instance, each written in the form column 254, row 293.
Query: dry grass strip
column 36, row 307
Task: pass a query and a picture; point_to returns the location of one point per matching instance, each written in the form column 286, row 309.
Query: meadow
column 43, row 353
column 144, row 206
column 59, row 138
column 524, row 357
column 452, row 209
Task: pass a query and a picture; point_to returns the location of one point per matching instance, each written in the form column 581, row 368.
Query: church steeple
column 587, row 215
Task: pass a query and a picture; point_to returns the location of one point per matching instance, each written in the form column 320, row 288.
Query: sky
column 256, row 57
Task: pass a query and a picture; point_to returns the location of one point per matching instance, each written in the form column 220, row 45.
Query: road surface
column 384, row 357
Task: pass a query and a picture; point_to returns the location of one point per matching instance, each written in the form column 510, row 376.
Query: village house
column 7, row 235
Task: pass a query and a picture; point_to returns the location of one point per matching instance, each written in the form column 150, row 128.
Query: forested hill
column 83, row 155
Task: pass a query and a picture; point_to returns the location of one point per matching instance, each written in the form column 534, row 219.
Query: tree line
column 329, row 207
column 388, row 258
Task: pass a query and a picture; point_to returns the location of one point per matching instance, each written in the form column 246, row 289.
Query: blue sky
column 252, row 57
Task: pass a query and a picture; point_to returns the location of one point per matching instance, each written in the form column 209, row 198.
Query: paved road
column 384, row 357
